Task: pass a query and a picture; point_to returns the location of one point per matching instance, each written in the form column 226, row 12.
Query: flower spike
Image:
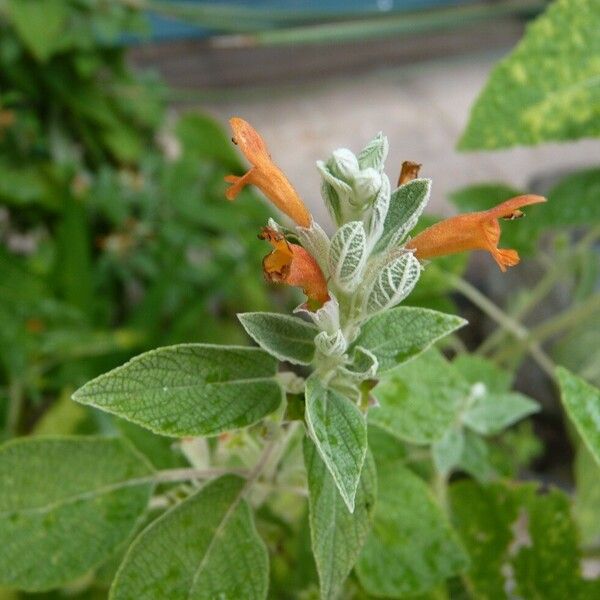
column 473, row 231
column 264, row 174
column 293, row 265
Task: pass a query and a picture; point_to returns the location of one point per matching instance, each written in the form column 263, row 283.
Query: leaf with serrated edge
column 492, row 413
column 337, row 535
column 66, row 503
column 411, row 547
column 286, row 338
column 582, row 403
column 397, row 335
column 206, row 547
column 347, row 255
column 339, row 431
column 406, row 206
column 189, row 389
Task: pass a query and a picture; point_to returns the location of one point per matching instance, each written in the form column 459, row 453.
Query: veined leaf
column 405, row 208
column 491, row 413
column 337, row 535
column 348, row 255
column 393, row 283
column 285, row 337
column 339, row 431
column 397, row 335
column 411, row 547
column 582, row 403
column 66, row 503
column 419, row 400
column 374, row 153
column 190, row 389
column 206, row 547
column 548, row 88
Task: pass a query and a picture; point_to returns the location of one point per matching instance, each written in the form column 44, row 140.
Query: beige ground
column 422, row 109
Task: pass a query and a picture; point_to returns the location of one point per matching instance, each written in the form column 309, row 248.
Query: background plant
column 435, row 510
column 113, row 235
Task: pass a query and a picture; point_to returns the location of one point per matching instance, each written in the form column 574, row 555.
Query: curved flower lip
column 473, row 231
column 293, row 265
column 264, row 174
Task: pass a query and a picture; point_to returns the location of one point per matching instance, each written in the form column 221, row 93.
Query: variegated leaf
column 393, row 283
column 348, row 255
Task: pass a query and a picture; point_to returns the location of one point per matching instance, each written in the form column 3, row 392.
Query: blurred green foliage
column 114, row 234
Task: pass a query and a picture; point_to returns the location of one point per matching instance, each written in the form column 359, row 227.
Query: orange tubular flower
column 264, row 174
column 292, row 264
column 473, row 231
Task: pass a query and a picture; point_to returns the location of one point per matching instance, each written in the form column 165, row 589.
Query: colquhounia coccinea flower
column 264, row 174
column 287, row 263
column 473, row 231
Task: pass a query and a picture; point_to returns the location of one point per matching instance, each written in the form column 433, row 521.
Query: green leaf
column 484, row 516
column 337, row 535
column 206, row 547
column 339, row 431
column 419, row 400
column 587, row 496
column 582, row 403
column 572, row 202
column 476, row 369
column 411, row 547
column 491, row 413
column 286, row 338
column 475, row 458
column 548, row 566
column 402, row 333
column 40, row 23
column 66, row 503
column 448, row 451
column 548, row 88
column 406, row 205
column 189, row 389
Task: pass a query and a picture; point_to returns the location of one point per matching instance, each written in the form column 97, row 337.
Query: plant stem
column 509, row 324
column 15, row 407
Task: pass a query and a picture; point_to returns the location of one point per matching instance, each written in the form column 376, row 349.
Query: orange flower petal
column 473, row 231
column 293, row 265
column 264, row 174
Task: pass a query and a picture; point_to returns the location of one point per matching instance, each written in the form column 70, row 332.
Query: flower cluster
column 370, row 264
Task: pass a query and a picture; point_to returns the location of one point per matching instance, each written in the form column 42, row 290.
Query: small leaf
column 405, row 208
column 475, row 458
column 491, row 413
column 190, row 389
column 393, row 283
column 397, row 335
column 348, row 255
column 337, row 535
column 286, row 338
column 374, row 153
column 339, row 431
column 476, row 369
column 419, row 400
column 206, row 547
column 448, row 451
column 537, row 94
column 582, row 403
column 375, row 220
column 66, row 503
column 411, row 547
